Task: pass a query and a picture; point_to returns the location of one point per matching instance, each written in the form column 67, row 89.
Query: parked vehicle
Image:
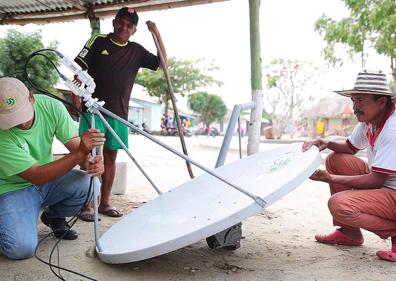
column 131, row 131
column 186, row 132
column 146, row 128
column 175, row 132
column 212, row 131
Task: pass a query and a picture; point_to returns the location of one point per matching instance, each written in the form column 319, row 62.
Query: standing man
column 113, row 62
column 29, row 178
column 363, row 195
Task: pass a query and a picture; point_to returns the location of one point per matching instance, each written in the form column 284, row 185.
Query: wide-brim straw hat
column 371, row 83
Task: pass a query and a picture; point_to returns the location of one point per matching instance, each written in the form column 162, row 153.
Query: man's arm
column 76, row 101
column 341, row 147
column 41, row 174
column 153, row 28
column 367, row 181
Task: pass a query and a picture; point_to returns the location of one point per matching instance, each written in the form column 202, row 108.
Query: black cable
column 59, row 267
column 74, row 219
column 71, row 223
column 58, row 256
column 36, row 87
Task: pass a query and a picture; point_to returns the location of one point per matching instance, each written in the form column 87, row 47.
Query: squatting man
column 363, row 195
column 30, row 179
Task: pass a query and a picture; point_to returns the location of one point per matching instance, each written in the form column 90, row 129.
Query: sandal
column 111, row 212
column 338, row 238
column 87, row 216
column 388, row 255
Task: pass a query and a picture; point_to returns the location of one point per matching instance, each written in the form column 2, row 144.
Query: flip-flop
column 388, row 255
column 111, row 212
column 338, row 238
column 87, row 216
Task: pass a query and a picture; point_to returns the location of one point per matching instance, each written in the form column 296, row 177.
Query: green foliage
column 15, row 48
column 371, row 23
column 184, row 75
column 210, row 107
column 266, row 115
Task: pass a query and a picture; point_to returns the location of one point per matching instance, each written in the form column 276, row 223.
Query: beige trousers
column 370, row 209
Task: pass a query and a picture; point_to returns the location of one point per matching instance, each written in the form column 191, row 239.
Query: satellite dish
column 205, row 205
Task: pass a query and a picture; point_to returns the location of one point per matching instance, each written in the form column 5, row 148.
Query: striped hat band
column 369, row 83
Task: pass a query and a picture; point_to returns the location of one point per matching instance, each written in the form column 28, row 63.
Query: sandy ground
column 278, row 244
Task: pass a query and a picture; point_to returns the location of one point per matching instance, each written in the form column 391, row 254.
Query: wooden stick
column 173, row 99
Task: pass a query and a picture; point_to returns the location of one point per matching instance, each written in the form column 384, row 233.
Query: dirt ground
column 278, row 244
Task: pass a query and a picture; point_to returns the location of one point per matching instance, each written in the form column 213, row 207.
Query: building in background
column 331, row 116
column 145, row 111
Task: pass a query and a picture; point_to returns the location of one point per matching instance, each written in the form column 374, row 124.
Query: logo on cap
column 10, row 102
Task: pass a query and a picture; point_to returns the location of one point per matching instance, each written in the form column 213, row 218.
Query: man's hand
column 91, row 139
column 76, row 100
column 77, row 81
column 321, row 144
column 151, row 26
column 321, row 175
column 160, row 47
column 94, row 166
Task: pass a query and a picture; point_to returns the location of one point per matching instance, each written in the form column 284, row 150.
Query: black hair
column 388, row 99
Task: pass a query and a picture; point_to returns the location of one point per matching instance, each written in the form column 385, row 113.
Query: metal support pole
column 256, row 198
column 230, row 130
column 126, row 149
column 230, row 237
column 96, row 193
column 239, row 137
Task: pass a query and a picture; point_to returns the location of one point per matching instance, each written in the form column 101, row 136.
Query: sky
column 219, row 33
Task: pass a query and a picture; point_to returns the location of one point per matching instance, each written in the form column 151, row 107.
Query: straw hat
column 369, row 82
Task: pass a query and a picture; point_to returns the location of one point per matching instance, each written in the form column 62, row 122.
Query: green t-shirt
column 21, row 149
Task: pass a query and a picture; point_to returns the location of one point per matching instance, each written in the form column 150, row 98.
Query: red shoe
column 338, row 238
column 388, row 255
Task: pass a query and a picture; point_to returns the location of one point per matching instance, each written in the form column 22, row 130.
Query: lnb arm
column 81, row 74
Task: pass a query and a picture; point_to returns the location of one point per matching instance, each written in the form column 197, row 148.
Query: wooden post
column 95, row 25
column 254, row 130
column 93, row 21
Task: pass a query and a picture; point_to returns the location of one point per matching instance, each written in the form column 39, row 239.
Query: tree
column 210, row 107
column 185, row 78
column 371, row 24
column 286, row 82
column 16, row 47
column 256, row 81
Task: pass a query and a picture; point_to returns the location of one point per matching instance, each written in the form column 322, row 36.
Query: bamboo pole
column 173, row 99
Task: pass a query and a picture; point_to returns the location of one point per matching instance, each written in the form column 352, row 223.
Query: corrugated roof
column 45, row 11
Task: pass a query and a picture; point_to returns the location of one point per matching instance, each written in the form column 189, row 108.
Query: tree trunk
column 254, row 130
column 95, row 25
column 166, row 105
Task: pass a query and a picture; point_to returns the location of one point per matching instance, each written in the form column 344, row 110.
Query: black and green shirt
column 114, row 68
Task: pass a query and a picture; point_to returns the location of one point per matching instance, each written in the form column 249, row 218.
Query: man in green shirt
column 30, row 180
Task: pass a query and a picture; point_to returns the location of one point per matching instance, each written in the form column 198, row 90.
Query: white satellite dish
column 205, row 205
